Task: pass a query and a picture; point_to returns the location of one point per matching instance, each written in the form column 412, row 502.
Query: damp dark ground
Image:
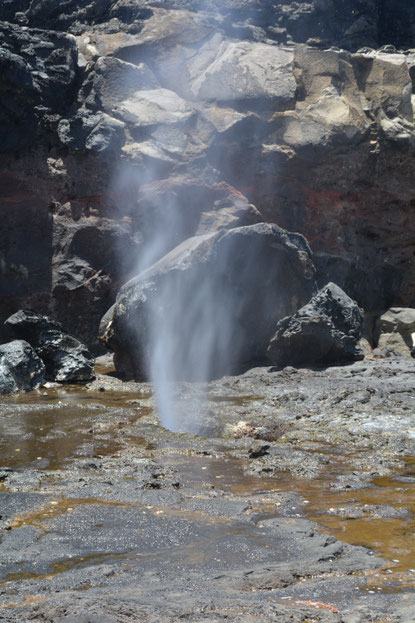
column 283, row 496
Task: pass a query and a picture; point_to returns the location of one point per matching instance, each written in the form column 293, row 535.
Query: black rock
column 326, row 330
column 49, row 14
column 66, row 359
column 20, row 368
column 210, row 305
column 32, row 327
column 38, row 71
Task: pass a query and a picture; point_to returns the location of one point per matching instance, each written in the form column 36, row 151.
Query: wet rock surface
column 105, row 515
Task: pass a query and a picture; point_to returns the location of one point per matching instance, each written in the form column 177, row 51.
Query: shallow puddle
column 45, row 429
column 390, row 537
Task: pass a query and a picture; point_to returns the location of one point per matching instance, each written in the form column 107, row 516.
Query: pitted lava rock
column 326, row 330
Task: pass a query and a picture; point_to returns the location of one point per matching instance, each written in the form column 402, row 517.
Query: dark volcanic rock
column 383, row 281
column 26, row 249
column 20, row 368
column 325, row 330
column 38, row 70
column 218, row 291
column 65, row 358
column 349, row 24
column 46, row 13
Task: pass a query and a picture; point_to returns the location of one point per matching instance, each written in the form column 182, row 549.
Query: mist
column 193, row 329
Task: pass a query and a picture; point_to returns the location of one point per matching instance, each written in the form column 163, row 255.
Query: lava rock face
column 303, row 108
column 206, row 294
column 66, row 359
column 38, row 72
column 326, row 330
column 20, row 368
column 349, row 24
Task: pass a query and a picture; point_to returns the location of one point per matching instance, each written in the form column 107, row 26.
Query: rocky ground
column 256, row 508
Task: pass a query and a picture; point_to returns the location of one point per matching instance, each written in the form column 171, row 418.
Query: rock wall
column 115, row 113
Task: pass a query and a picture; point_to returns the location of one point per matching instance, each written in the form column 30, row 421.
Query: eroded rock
column 391, row 345
column 95, row 133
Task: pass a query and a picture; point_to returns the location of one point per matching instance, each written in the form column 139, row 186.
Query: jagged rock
column 27, row 229
column 90, row 253
column 66, row 359
column 46, row 14
column 111, row 81
column 326, row 330
column 37, row 74
column 350, row 24
column 211, row 304
column 151, row 108
column 20, row 368
column 329, row 120
column 383, row 282
column 395, row 333
column 173, row 209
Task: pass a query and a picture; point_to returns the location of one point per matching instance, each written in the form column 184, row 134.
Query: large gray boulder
column 326, row 330
column 210, row 305
column 20, row 368
column 66, row 359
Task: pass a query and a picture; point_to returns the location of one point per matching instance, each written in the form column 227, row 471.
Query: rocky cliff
column 116, row 114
